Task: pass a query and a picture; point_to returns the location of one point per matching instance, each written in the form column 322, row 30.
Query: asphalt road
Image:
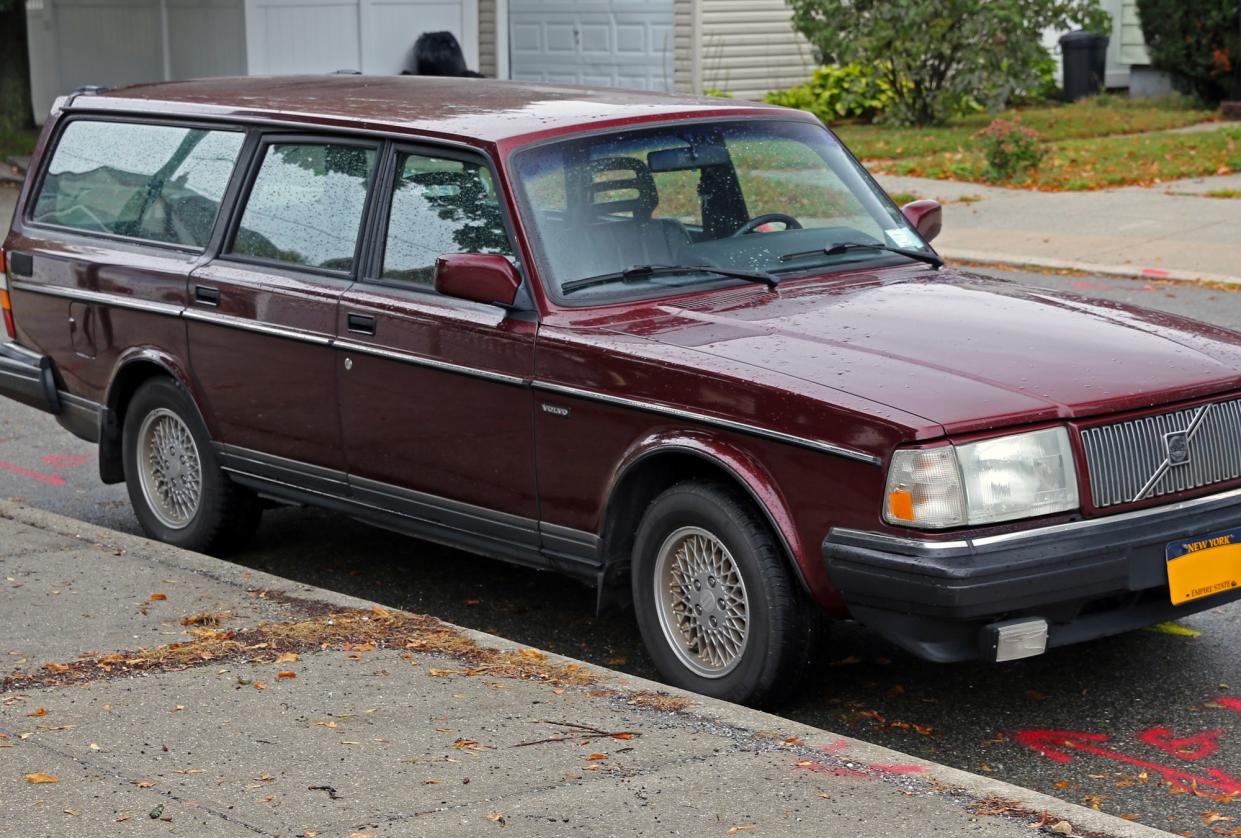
column 1151, row 706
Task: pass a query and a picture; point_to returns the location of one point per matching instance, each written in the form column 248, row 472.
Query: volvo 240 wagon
column 684, row 350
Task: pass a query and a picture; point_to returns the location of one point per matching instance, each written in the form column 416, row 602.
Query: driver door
column 435, row 409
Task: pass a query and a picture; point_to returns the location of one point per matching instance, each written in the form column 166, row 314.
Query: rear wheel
column 718, row 609
column 176, row 487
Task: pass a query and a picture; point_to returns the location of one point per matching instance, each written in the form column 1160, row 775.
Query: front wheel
column 716, row 604
column 176, row 487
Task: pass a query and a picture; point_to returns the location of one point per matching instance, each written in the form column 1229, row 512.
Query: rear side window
column 159, row 183
column 306, row 205
column 440, row 206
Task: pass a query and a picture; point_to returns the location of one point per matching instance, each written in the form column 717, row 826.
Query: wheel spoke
column 702, row 601
column 170, row 470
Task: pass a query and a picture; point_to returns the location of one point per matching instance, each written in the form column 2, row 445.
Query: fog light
column 1014, row 639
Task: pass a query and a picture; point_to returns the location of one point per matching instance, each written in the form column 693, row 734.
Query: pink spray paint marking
column 53, row 479
column 1196, row 747
column 1229, row 703
column 66, row 460
column 57, row 461
column 1057, row 746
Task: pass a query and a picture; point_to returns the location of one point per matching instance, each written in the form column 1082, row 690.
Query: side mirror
column 926, row 216
column 481, row 277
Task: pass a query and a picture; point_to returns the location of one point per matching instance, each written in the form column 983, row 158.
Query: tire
column 689, row 534
column 209, row 513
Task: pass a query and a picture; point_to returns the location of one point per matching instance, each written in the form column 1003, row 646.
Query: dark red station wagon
column 684, row 350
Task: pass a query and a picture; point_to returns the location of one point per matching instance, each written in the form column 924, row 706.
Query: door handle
column 206, row 296
column 360, row 324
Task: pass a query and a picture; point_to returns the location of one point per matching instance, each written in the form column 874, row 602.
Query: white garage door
column 608, row 43
column 374, row 36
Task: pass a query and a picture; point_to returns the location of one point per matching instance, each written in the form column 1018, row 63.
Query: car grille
column 1140, row 459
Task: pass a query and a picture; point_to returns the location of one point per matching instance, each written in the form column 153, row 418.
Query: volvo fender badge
column 556, row 410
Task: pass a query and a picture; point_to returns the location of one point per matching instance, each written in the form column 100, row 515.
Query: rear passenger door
column 262, row 315
column 434, row 404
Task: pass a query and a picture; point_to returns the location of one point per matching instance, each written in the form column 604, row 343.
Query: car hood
column 962, row 351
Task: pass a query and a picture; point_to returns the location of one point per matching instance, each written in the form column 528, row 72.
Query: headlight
column 1019, row 476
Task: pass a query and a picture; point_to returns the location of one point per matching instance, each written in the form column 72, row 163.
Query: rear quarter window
column 160, row 183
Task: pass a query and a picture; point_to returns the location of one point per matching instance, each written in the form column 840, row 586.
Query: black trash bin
column 1085, row 63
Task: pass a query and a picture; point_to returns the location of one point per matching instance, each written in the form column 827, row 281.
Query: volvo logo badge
column 1178, row 448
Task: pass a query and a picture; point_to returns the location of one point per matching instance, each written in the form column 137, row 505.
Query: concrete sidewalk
column 170, row 693
column 1168, row 231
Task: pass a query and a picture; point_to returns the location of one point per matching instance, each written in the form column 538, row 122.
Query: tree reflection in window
column 440, row 206
column 305, row 207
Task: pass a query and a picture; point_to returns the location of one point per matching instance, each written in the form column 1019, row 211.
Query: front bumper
column 29, row 378
column 1087, row 579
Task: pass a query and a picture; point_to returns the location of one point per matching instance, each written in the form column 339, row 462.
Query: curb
column 983, row 258
column 940, row 778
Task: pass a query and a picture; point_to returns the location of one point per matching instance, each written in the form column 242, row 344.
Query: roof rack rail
column 90, row 90
column 346, row 72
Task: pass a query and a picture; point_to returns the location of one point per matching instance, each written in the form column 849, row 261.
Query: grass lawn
column 1084, row 164
column 20, row 142
column 1101, row 116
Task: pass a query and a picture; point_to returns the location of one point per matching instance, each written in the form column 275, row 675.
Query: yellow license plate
column 1203, row 566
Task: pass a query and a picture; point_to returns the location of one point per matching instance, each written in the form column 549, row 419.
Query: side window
column 440, row 206
column 305, row 206
column 153, row 182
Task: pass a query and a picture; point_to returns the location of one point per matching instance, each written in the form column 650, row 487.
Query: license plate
column 1200, row 567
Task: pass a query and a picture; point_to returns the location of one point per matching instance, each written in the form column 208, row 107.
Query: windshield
column 766, row 196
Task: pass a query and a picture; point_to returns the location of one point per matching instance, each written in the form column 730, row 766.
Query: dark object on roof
column 439, row 54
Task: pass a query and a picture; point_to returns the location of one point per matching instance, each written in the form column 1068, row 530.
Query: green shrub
column 852, row 91
column 1011, row 150
column 940, row 56
column 1197, row 42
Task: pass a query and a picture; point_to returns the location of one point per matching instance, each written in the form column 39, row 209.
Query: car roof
column 478, row 110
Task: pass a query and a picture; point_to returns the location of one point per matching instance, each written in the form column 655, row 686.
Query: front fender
column 748, row 472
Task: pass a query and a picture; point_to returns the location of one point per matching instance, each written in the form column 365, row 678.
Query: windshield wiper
column 844, row 247
column 641, row 272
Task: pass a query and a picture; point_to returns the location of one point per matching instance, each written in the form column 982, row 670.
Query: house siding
column 1132, row 41
column 487, row 63
column 744, row 47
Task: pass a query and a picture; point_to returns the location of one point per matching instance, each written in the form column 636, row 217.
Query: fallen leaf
column 534, row 654
column 359, row 835
column 56, row 667
column 473, row 602
column 1063, row 828
column 145, row 784
column 1035, row 695
column 288, row 657
column 733, row 830
column 1130, row 817
column 178, row 708
column 380, row 613
column 623, row 735
column 1209, row 818
column 284, row 676
column 42, row 711
column 896, row 690
column 158, row 597
column 441, row 673
column 496, row 817
column 594, row 757
column 94, row 746
column 38, row 777
column 122, row 819
column 259, row 685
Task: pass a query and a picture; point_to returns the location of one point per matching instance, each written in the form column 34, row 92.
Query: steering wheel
column 790, row 223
